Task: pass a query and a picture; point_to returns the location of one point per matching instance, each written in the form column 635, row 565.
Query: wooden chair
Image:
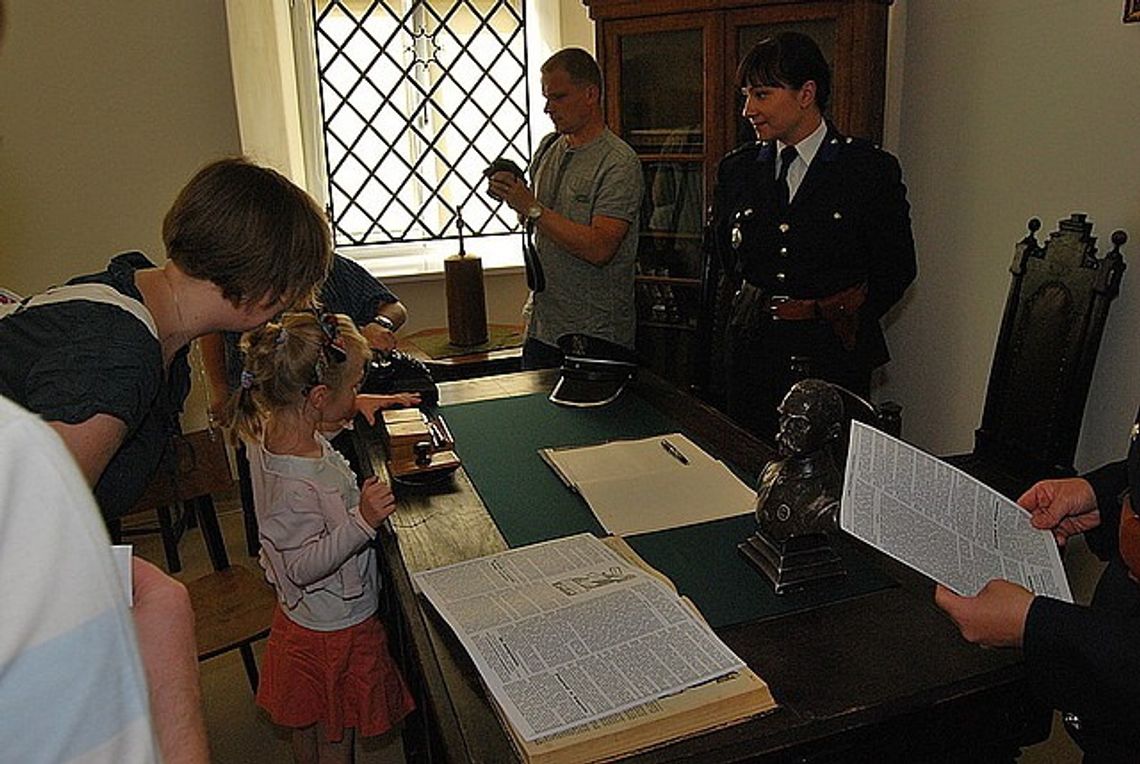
column 1043, row 362
column 233, row 606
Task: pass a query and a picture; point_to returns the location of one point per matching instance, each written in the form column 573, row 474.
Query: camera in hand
column 502, row 164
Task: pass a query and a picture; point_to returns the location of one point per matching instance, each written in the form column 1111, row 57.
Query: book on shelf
column 651, row 484
column 587, row 653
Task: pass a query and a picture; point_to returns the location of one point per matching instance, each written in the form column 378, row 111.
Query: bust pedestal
column 794, row 563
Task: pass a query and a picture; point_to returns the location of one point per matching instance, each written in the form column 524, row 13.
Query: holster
column 841, row 310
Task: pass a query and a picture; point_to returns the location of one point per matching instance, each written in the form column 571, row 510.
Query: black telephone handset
column 398, row 372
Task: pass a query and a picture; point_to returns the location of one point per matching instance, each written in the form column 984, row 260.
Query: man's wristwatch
column 384, row 322
column 533, row 213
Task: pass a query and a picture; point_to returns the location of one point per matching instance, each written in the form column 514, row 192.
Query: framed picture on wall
column 1131, row 10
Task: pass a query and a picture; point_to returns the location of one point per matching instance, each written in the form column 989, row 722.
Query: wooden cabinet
column 669, row 68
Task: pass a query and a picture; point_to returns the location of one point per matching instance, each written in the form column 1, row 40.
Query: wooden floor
column 239, row 732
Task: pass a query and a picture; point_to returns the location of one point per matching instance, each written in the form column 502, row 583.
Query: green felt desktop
column 498, row 442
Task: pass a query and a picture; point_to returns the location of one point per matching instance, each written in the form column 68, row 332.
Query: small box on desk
column 420, row 447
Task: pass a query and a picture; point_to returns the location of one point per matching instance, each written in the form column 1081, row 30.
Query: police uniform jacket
column 849, row 222
column 1085, row 660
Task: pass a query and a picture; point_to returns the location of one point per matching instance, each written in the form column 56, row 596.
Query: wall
column 1011, row 110
column 107, row 109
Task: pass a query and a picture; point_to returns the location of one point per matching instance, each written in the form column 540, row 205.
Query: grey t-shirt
column 601, row 178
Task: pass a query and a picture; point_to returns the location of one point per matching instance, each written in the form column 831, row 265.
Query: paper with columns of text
column 941, row 521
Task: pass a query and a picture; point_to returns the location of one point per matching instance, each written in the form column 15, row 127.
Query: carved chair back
column 1046, row 349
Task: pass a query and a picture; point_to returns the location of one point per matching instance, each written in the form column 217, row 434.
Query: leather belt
column 783, row 308
column 841, row 310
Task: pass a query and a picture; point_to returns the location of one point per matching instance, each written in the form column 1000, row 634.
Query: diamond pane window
column 417, row 98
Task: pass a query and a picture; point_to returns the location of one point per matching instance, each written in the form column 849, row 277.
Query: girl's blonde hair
column 285, row 359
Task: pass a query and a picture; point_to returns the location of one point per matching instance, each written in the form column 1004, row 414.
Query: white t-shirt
column 72, row 686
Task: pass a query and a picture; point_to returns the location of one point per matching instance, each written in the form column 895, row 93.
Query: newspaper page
column 566, row 632
column 941, row 521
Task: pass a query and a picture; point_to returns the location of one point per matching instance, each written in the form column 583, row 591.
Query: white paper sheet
column 641, row 486
column 941, row 521
column 122, row 554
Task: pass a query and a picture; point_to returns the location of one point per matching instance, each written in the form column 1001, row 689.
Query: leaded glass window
column 417, row 98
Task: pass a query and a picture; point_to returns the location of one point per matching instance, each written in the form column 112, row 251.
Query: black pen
column 672, row 451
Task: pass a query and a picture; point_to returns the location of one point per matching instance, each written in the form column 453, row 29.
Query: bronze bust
column 797, row 496
column 799, row 493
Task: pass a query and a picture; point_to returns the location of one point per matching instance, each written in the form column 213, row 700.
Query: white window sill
column 423, row 261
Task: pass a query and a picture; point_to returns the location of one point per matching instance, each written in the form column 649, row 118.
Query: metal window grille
column 417, row 98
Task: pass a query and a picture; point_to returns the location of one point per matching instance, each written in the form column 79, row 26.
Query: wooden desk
column 477, row 364
column 881, row 677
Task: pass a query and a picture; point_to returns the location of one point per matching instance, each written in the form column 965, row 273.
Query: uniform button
column 781, row 276
column 783, row 251
column 837, row 215
column 784, row 227
column 835, row 140
column 849, row 139
column 1136, row 431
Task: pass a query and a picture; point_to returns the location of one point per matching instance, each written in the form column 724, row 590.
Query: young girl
column 326, row 662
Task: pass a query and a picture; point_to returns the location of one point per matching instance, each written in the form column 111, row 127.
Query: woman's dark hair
column 787, row 60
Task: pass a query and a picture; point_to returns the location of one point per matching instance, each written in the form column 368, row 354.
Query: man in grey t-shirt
column 583, row 212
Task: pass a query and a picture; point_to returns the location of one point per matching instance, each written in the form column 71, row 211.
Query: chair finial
column 1119, row 238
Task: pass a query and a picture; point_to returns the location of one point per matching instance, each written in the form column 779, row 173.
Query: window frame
column 500, row 252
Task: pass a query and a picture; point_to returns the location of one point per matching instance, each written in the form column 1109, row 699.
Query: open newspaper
column 586, row 654
column 941, row 521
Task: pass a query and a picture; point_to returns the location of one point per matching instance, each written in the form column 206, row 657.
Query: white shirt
column 805, row 152
column 72, row 687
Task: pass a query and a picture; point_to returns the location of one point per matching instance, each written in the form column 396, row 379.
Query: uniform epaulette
column 742, row 155
column 744, row 149
column 851, row 142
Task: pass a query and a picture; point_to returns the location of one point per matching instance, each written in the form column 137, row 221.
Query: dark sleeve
column 1084, row 659
column 891, row 265
column 716, row 236
column 101, row 360
column 1108, row 483
column 352, row 290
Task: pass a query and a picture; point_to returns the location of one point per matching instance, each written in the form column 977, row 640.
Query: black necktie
column 783, row 193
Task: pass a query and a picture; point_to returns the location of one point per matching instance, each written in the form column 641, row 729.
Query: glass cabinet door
column 662, row 99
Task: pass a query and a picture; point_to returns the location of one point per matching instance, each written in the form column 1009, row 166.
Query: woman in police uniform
column 1081, row 660
column 812, row 228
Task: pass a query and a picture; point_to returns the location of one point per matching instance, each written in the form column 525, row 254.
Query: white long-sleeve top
column 314, row 543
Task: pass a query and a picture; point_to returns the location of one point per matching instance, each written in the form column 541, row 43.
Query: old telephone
column 398, row 372
column 419, row 445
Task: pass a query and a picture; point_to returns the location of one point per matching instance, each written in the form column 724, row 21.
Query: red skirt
column 340, row 679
